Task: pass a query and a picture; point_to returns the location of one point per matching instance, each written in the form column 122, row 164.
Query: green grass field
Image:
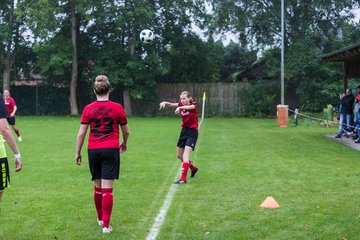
column 241, row 161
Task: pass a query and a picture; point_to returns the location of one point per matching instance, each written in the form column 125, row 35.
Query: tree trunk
column 7, row 71
column 127, row 102
column 74, row 71
column 9, row 53
column 126, row 92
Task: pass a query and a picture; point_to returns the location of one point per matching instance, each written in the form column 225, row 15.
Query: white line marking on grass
column 160, row 218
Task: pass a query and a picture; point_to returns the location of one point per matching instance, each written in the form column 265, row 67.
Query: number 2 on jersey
column 106, row 123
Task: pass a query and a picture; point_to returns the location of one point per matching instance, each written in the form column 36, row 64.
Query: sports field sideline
column 241, row 161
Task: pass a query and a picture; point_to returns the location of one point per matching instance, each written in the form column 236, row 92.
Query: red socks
column 107, row 204
column 98, row 202
column 192, row 167
column 185, row 168
column 17, row 132
column 103, row 199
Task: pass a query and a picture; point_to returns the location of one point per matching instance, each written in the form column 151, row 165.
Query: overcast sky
column 231, row 37
column 357, row 15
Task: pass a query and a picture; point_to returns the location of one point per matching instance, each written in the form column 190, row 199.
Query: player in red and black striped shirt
column 104, row 117
column 188, row 111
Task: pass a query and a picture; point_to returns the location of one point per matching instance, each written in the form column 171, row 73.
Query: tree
column 193, row 60
column 11, row 26
column 109, row 35
column 51, row 27
column 311, row 27
column 236, row 58
column 74, row 72
column 131, row 64
column 257, row 23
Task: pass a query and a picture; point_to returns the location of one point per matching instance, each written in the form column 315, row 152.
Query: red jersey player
column 188, row 111
column 104, row 117
column 11, row 108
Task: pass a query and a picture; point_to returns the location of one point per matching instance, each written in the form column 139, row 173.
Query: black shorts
column 188, row 137
column 11, row 120
column 104, row 163
column 5, row 173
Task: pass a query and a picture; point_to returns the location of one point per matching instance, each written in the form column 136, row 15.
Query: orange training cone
column 270, row 203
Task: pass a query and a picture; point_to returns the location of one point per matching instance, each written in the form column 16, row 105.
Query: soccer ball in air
column 147, row 36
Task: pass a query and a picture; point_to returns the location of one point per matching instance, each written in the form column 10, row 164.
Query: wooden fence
column 221, row 98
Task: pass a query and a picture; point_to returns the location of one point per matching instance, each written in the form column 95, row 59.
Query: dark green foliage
column 259, row 99
column 192, row 60
column 315, row 83
column 42, row 100
column 312, row 28
column 108, row 43
column 236, row 58
column 310, row 83
column 54, row 58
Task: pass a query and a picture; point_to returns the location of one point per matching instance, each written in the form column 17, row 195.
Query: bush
column 260, row 99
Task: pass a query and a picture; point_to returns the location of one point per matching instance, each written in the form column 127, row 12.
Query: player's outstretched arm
column 167, row 104
column 189, row 107
column 79, row 142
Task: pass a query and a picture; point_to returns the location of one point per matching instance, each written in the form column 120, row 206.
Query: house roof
column 349, row 53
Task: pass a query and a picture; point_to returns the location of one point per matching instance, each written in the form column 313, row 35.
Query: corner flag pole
column 203, row 106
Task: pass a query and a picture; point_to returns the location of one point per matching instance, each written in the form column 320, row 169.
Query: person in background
column 11, row 108
column 356, row 131
column 346, row 113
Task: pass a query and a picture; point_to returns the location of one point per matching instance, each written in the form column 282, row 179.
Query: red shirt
column 189, row 117
column 10, row 104
column 104, row 118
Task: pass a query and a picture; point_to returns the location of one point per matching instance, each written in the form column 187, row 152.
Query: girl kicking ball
column 188, row 111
